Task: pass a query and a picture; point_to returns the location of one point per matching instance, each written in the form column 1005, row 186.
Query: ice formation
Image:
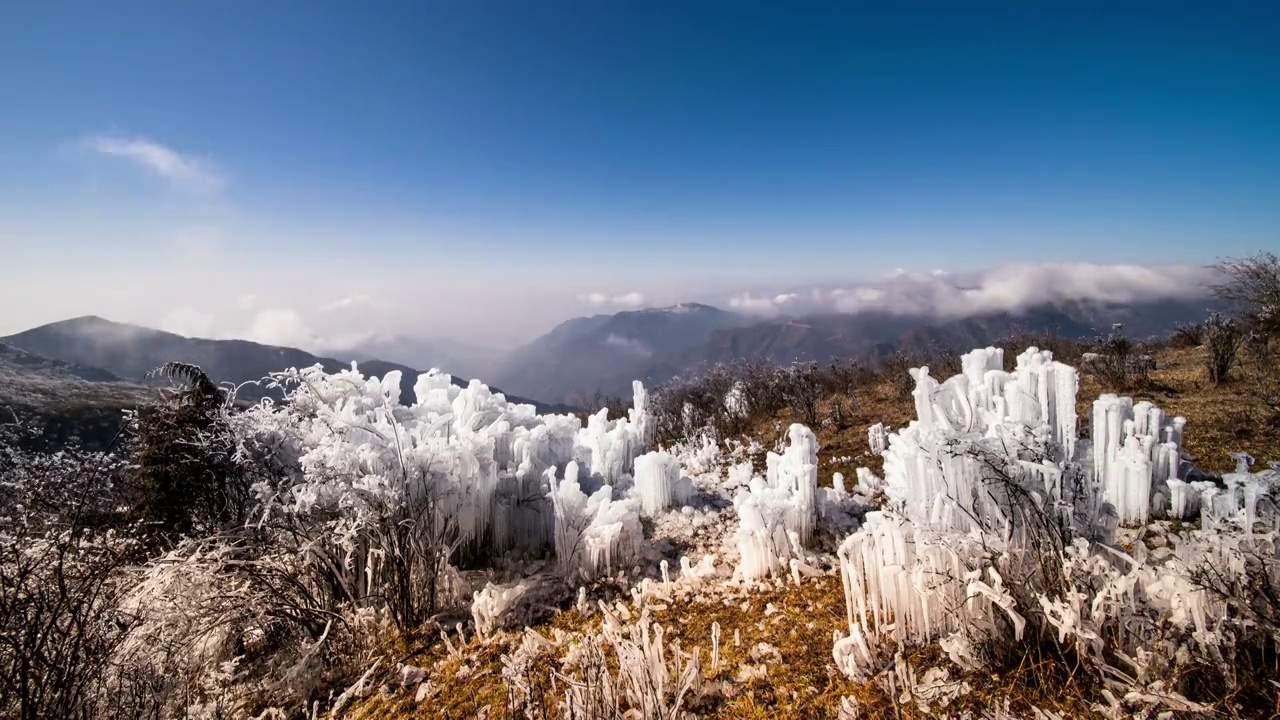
column 777, row 514
column 1135, row 456
column 659, row 482
column 496, row 606
column 878, row 438
column 593, row 534
column 613, row 445
column 991, row 475
column 481, row 464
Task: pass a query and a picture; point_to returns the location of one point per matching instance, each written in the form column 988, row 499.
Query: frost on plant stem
column 653, row 680
column 497, row 606
column 593, row 534
column 877, row 438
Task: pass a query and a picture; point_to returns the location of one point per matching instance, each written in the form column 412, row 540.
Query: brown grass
column 803, row 685
column 1220, row 418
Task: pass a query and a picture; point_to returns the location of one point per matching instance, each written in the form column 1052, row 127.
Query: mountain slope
column 130, row 351
column 873, row 336
column 66, row 400
column 606, row 353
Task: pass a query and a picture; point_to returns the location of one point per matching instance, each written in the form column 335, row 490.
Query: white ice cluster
column 465, row 456
column 777, row 513
column 659, row 482
column 935, row 467
column 1136, row 458
column 991, row 481
column 614, row 445
column 593, row 534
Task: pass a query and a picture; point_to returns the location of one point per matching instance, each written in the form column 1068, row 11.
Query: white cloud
column 280, row 327
column 630, row 345
column 346, row 302
column 184, row 170
column 628, row 300
column 1008, row 288
column 745, row 302
column 188, row 322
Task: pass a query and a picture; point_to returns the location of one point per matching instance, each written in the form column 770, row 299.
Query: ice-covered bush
column 1223, row 336
column 660, row 483
column 1002, row 525
column 777, row 514
column 362, row 507
column 594, row 534
column 63, row 569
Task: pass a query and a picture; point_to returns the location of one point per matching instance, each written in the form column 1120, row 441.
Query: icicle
column 877, row 438
column 715, row 645
column 657, row 481
column 1252, row 489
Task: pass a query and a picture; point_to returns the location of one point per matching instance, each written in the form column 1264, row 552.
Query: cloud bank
column 1006, row 289
column 344, row 322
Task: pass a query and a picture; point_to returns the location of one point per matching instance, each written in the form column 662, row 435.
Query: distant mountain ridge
column 603, row 353
column 131, row 351
column 608, row 352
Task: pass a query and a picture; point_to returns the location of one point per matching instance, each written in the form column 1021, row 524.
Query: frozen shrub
column 1224, row 338
column 1251, row 286
column 1001, row 526
column 1065, row 349
column 63, row 569
column 777, row 513
column 1188, row 335
column 1262, row 358
column 185, row 477
column 359, row 511
column 803, row 388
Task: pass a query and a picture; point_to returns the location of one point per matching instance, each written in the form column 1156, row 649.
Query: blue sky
column 507, row 160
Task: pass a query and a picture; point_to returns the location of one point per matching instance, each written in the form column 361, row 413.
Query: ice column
column 777, row 514
column 658, row 482
column 877, row 438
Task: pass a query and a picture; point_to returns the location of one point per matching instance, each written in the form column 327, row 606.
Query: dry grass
column 803, row 685
column 1220, row 418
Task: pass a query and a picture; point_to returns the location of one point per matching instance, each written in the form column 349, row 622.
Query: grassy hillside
column 66, row 401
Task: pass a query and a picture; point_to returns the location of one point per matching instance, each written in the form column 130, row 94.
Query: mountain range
column 604, row 353
column 93, row 362
column 94, row 349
